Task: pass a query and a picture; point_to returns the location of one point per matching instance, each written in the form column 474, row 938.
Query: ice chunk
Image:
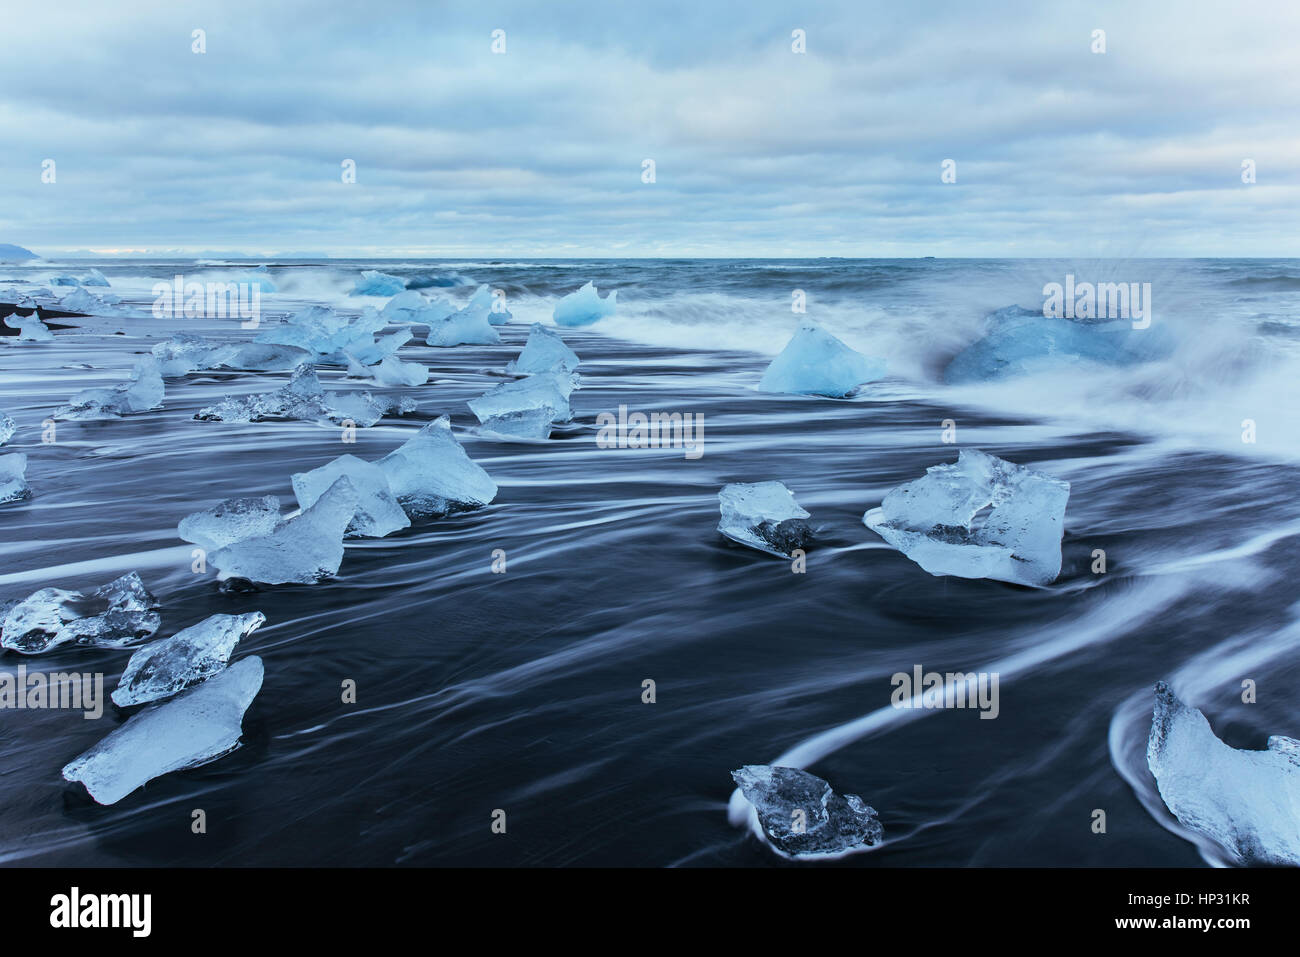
column 30, row 327
column 544, row 351
column 1022, row 342
column 391, row 371
column 802, row 817
column 144, row 393
column 307, row 548
column 324, row 332
column 377, row 513
column 526, row 407
column 13, row 477
column 1246, row 801
column 95, row 278
column 181, row 354
column 364, row 409
column 814, row 362
column 191, row 729
column 931, row 520
column 7, row 428
column 411, row 306
column 303, row 398
column 165, row 668
column 484, row 304
column 375, row 283
column 470, row 326
column 112, row 616
column 87, row 303
column 763, row 515
column 257, row 357
column 431, row 474
column 231, row 521
column 584, row 307
column 368, row 353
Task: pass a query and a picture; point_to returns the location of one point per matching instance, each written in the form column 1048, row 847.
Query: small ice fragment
column 191, row 729
column 814, row 362
column 763, row 515
column 194, row 654
column 470, row 326
column 931, row 520
column 584, row 307
column 303, row 399
column 13, row 477
column 112, row 616
column 801, row 817
column 307, row 548
column 144, row 393
column 1246, row 801
column 431, row 474
column 95, row 278
column 375, row 283
column 544, row 351
column 526, row 407
column 30, row 327
column 391, row 372
column 7, row 428
column 378, row 512
column 231, row 521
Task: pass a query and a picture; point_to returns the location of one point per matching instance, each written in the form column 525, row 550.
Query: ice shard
column 231, row 521
column 13, row 477
column 765, row 516
column 1248, row 802
column 583, row 307
column 814, row 362
column 378, row 512
column 196, row 727
column 801, row 817
column 303, row 399
column 431, row 474
column 165, row 668
column 526, row 407
column 375, row 283
column 544, row 351
column 933, row 520
column 7, row 428
column 144, row 393
column 112, row 616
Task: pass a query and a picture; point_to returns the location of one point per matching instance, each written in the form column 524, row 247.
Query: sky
column 758, row 150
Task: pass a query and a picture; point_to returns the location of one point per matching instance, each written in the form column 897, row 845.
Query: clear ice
column 526, row 407
column 432, row 475
column 763, row 515
column 378, row 512
column 165, row 668
column 375, row 283
column 544, row 351
column 814, row 362
column 30, row 328
column 303, row 398
column 802, row 817
column 112, row 616
column 231, row 521
column 144, row 393
column 13, row 477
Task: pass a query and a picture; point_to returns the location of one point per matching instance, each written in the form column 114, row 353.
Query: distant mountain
column 14, row 253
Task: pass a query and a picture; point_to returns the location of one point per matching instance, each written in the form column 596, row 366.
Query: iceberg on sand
column 377, row 513
column 814, row 362
column 113, row 616
column 484, row 303
column 184, row 353
column 30, row 327
column 13, row 478
column 802, row 818
column 390, row 372
column 375, row 283
column 302, row 399
column 165, row 668
column 431, row 475
column 763, row 515
column 544, row 351
column 412, row 307
column 198, row 726
column 230, row 521
column 1248, row 802
column 931, row 520
column 472, row 325
column 7, row 428
column 584, row 307
column 526, row 407
column 144, row 393
column 324, row 332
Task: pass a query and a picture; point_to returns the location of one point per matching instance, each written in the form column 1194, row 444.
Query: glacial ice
column 375, row 283
column 184, row 353
column 432, row 475
column 469, row 326
column 377, row 513
column 13, row 477
column 193, row 728
column 30, row 327
column 802, row 817
column 390, row 372
column 412, row 307
column 583, row 307
column 231, row 521
column 368, row 353
column 303, row 398
column 544, row 351
column 144, row 393
column 763, row 515
column 930, row 520
column 1246, row 801
column 7, row 428
column 112, row 616
column 364, row 409
column 324, row 332
column 526, row 407
column 483, row 303
column 95, row 278
column 814, row 362
column 165, row 668
column 87, row 303
column 1021, row 342
column 307, row 548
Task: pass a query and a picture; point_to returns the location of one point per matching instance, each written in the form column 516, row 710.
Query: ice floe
column 167, row 667
column 801, row 817
column 763, row 515
column 814, row 362
column 112, row 616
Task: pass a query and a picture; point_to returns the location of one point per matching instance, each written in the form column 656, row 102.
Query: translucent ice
column 411, row 306
column 95, row 278
column 584, row 307
column 378, row 512
column 191, row 729
column 13, row 477
column 802, row 817
column 431, row 475
column 544, row 351
column 30, row 327
column 391, row 372
column 303, row 398
column 1020, row 342
column 256, row 357
column 7, row 428
column 526, row 407
column 931, row 520
column 231, row 521
column 86, row 303
column 1246, row 801
column 470, row 326
column 143, row 393
column 165, row 668
column 484, row 303
column 763, row 515
column 323, row 331
column 368, row 353
column 375, row 283
column 114, row 615
column 307, row 548
column 814, row 362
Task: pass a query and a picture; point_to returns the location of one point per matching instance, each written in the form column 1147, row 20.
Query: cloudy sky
column 758, row 150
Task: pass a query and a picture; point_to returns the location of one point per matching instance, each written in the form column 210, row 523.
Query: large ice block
column 583, row 307
column 378, row 512
column 814, row 362
column 544, row 351
column 432, row 475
